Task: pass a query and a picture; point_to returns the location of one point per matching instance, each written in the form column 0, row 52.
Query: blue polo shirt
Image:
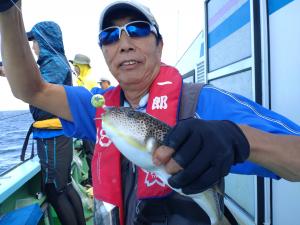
column 213, row 104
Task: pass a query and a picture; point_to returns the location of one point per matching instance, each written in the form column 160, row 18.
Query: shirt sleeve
column 97, row 90
column 217, row 104
column 83, row 114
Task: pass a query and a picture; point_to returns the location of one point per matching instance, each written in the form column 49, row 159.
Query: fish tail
column 222, row 221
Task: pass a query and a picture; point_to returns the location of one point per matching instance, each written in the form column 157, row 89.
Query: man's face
column 133, row 61
column 104, row 84
column 77, row 70
column 35, row 47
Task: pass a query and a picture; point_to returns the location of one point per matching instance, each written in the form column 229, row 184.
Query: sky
column 179, row 22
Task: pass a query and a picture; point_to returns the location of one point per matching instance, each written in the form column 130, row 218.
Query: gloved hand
column 205, row 150
column 6, row 4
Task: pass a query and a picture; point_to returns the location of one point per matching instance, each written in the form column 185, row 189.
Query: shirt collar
column 142, row 104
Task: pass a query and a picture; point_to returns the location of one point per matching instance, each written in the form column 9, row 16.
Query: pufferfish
column 137, row 135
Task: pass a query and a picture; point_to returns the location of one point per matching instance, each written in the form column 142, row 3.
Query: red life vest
column 163, row 103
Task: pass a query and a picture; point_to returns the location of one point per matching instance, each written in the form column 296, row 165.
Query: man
column 2, row 72
column 104, row 83
column 54, row 149
column 198, row 152
column 82, row 68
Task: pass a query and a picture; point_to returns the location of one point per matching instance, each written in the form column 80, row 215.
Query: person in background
column 196, row 152
column 105, row 83
column 2, row 72
column 83, row 70
column 54, row 149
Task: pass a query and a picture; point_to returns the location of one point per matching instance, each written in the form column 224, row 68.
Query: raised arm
column 278, row 153
column 22, row 71
column 203, row 152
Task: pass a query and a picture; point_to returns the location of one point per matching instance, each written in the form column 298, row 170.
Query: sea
column 14, row 126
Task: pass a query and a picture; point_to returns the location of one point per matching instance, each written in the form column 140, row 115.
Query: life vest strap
column 25, row 144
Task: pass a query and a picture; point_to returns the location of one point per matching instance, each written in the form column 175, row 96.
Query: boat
column 263, row 41
column 20, row 191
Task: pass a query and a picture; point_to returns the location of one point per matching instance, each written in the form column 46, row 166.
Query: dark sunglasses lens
column 109, row 36
column 138, row 29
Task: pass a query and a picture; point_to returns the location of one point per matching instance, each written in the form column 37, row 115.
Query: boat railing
column 12, row 179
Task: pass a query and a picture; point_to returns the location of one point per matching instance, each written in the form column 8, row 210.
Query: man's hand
column 6, row 4
column 203, row 152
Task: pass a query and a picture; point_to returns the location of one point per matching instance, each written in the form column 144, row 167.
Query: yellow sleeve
column 87, row 83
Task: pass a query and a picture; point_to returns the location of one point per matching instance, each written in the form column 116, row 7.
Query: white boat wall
column 251, row 47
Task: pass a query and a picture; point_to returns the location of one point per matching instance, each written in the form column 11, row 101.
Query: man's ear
column 161, row 42
column 160, row 47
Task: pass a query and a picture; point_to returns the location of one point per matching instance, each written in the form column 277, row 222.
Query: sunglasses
column 133, row 29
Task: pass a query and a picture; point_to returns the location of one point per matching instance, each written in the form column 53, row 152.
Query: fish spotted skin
column 140, row 125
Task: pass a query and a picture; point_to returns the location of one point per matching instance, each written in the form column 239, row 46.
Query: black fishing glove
column 6, row 4
column 205, row 150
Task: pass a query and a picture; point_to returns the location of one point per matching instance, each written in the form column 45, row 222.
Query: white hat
column 104, row 79
column 127, row 4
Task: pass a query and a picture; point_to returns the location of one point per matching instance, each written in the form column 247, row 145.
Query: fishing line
column 9, row 117
column 44, row 38
column 55, row 52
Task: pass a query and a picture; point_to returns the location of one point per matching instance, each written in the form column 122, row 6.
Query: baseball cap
column 80, row 59
column 103, row 79
column 123, row 6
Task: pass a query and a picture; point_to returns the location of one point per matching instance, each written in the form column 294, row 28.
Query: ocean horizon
column 14, row 126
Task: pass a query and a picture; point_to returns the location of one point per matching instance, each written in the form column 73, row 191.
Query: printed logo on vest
column 152, row 179
column 164, row 83
column 102, row 139
column 160, row 102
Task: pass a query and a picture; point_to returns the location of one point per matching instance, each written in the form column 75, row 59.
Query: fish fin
column 223, row 221
column 151, row 144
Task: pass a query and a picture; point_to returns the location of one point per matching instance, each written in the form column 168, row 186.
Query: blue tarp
column 29, row 215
